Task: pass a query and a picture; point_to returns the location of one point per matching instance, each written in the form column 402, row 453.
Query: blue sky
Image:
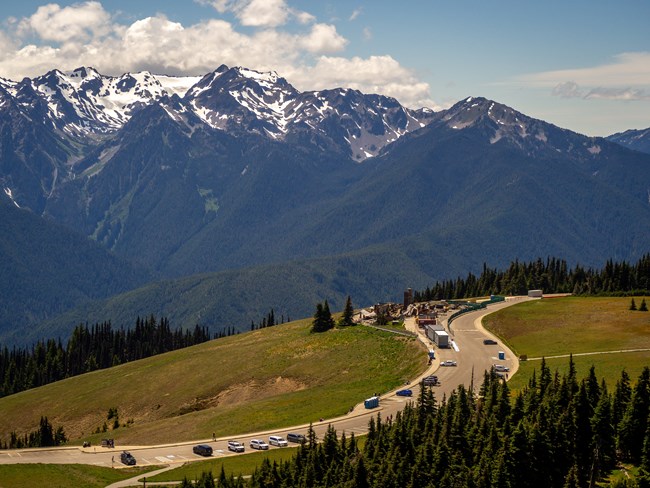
column 582, row 65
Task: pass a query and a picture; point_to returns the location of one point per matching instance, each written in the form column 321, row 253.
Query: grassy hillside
column 575, row 325
column 64, row 475
column 273, row 377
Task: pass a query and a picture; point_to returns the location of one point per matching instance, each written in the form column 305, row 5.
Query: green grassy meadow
column 269, row 378
column 63, row 475
column 243, row 465
column 575, row 325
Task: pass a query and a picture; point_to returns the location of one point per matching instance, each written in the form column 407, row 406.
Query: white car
column 259, row 444
column 448, row 362
column 276, row 440
column 235, row 446
column 500, row 368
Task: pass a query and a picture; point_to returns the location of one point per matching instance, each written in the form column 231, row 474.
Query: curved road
column 471, row 355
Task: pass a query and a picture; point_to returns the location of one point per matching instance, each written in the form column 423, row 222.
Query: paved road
column 472, row 357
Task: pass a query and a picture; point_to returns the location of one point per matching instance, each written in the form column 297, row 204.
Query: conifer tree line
column 323, row 320
column 45, row 436
column 558, row 432
column 551, row 276
column 88, row 349
column 268, row 321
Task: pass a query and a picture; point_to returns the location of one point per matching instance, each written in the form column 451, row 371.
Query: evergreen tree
column 348, row 313
column 319, row 323
column 632, row 305
column 643, row 307
column 634, row 422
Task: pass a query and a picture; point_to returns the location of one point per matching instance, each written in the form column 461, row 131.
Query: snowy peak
column 83, row 103
column 240, row 99
column 639, row 140
column 500, row 123
column 367, row 123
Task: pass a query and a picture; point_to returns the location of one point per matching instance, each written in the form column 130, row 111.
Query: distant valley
column 236, row 192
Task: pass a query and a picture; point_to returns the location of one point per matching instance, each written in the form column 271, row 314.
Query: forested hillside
column 552, row 276
column 89, row 349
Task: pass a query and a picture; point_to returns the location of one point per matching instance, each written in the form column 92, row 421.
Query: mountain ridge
column 179, row 194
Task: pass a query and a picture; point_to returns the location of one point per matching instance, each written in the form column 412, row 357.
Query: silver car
column 259, row 444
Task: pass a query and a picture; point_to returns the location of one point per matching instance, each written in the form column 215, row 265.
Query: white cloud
column 323, row 38
column 627, row 77
column 355, row 13
column 267, row 13
column 618, row 94
column 85, row 34
column 376, row 74
column 627, row 69
column 78, row 22
column 260, row 13
column 568, row 89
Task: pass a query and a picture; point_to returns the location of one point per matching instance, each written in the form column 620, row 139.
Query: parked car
column 127, row 458
column 297, row 438
column 407, row 393
column 431, row 381
column 278, row 441
column 500, row 368
column 489, row 342
column 202, row 450
column 448, row 362
column 259, row 444
column 235, row 446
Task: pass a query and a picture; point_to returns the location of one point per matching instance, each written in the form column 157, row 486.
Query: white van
column 276, row 440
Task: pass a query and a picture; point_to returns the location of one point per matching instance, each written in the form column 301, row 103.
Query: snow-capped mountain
column 242, row 99
column 499, row 122
column 639, row 140
column 85, row 103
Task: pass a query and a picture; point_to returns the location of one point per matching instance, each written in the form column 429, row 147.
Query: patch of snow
column 595, row 149
column 178, row 85
column 497, row 136
column 541, row 136
column 11, row 196
column 244, row 171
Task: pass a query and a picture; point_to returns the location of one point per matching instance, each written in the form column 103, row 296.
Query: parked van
column 276, row 440
column 297, row 438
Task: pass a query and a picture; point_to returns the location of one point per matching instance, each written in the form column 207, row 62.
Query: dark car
column 489, row 342
column 127, row 458
column 297, row 438
column 202, row 450
column 404, row 393
column 431, row 381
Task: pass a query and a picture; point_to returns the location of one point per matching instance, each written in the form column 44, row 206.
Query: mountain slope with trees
column 48, row 269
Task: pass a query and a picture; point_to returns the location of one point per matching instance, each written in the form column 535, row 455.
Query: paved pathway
column 620, row 351
column 134, row 481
